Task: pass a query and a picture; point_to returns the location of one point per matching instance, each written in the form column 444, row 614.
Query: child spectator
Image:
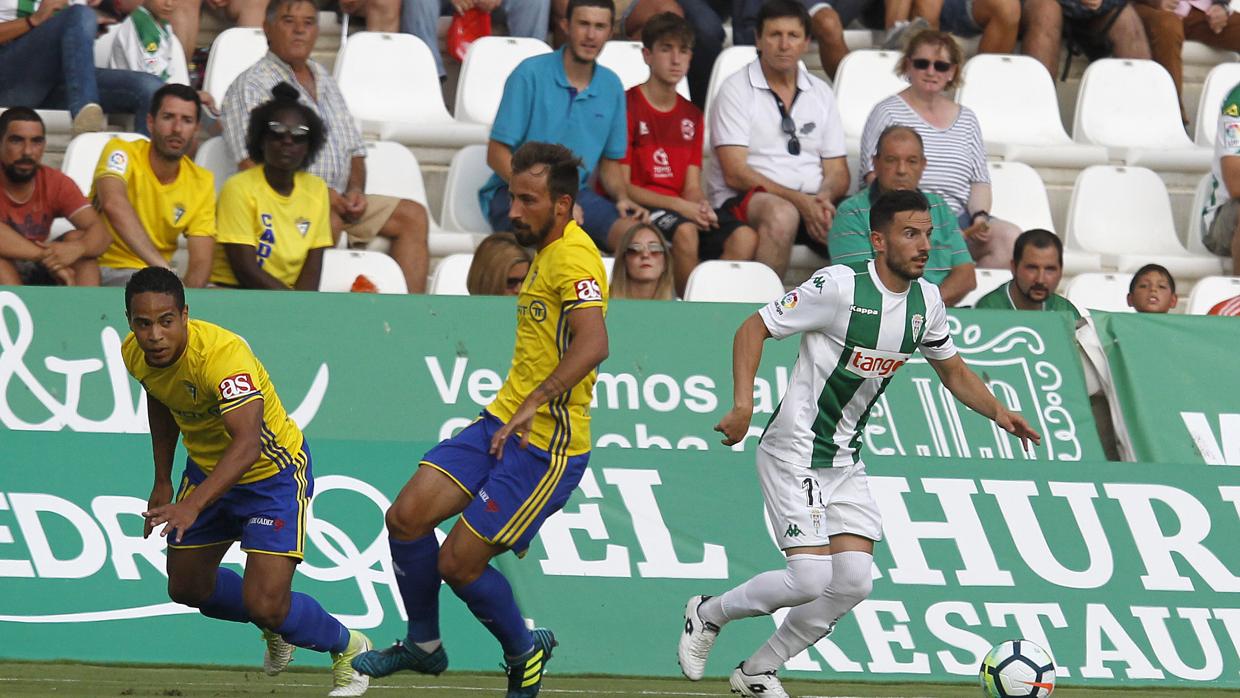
column 642, row 273
column 1152, row 290
column 499, row 267
column 664, row 161
column 146, row 42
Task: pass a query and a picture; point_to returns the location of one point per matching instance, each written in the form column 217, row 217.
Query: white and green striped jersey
column 146, row 44
column 855, row 334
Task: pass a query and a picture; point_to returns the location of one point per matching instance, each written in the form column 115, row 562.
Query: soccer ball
column 1017, row 668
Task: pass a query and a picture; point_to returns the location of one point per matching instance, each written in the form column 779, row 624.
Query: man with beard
column 520, row 460
column 1037, row 267
column 566, row 97
column 150, row 193
column 33, row 197
column 859, row 323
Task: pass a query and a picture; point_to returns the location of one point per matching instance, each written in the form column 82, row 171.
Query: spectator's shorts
column 598, row 214
column 957, row 18
column 1217, row 236
column 34, row 273
column 114, row 276
column 737, row 209
column 710, row 241
column 378, row 210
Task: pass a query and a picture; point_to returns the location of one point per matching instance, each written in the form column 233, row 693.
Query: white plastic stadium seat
column 1124, row 214
column 729, row 61
column 625, row 59
column 1214, row 90
column 987, row 281
column 609, row 265
column 487, row 66
column 1210, row 290
column 83, row 153
column 341, row 268
column 1108, row 292
column 214, row 155
column 392, row 88
column 864, row 79
column 392, row 170
column 232, row 52
column 1197, row 53
column 1019, row 196
column 1018, row 109
column 450, row 274
column 466, row 175
column 733, row 282
column 1130, row 106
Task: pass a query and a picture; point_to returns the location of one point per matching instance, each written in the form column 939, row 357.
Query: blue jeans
column 708, row 39
column 529, row 18
column 53, row 67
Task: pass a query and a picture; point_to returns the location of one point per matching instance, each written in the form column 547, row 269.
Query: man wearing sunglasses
column 150, row 193
column 779, row 143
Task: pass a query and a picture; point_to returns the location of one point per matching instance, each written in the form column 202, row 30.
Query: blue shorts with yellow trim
column 267, row 516
column 512, row 497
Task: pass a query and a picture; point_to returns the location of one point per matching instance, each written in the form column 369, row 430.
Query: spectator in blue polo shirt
column 566, row 97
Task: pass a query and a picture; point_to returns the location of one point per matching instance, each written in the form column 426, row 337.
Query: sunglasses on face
column 790, row 128
column 637, row 248
column 279, row 129
column 925, row 63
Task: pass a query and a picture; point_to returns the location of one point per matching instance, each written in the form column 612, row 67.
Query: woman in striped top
column 955, row 156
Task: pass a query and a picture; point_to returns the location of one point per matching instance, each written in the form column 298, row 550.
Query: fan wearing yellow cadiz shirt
column 275, row 219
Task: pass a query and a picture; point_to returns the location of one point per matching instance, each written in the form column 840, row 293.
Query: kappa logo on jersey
column 236, row 386
column 872, row 363
column 687, row 129
column 862, row 311
column 118, row 162
column 588, row 290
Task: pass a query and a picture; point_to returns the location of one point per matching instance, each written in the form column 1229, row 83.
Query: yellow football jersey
column 281, row 229
column 216, row 374
column 566, row 275
column 167, row 211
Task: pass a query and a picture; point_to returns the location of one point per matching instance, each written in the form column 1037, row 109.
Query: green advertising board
column 1177, row 406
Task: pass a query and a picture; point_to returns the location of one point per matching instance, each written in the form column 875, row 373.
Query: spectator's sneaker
column 401, row 657
column 696, row 640
column 90, row 119
column 901, row 30
column 525, row 673
column 278, row 654
column 347, row 681
column 764, row 685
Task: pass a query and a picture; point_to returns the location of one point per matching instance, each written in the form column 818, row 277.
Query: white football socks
column 803, row 579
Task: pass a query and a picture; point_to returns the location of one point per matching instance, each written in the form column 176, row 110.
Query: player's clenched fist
column 735, row 424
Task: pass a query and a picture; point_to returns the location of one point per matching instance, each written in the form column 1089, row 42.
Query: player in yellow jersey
column 248, row 478
column 521, row 459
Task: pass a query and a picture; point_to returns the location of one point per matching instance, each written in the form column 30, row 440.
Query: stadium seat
column 609, row 265
column 1107, row 292
column 1220, row 81
column 1019, row 196
column 341, row 268
column 450, row 274
column 729, row 61
column 625, row 58
column 1209, row 291
column 487, row 66
column 1124, row 214
column 1197, row 53
column 54, row 120
column 864, row 79
column 83, row 153
column 392, row 170
column 214, row 155
column 392, row 88
column 232, row 52
column 987, row 281
column 733, row 282
column 1130, row 106
column 466, row 175
column 1017, row 106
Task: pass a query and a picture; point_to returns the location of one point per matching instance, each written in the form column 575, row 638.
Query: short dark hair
column 776, row 9
column 1040, row 239
column 608, row 5
column 1155, row 268
column 667, row 25
column 895, row 129
column 19, row 114
column 883, row 211
column 154, row 280
column 562, row 166
column 284, row 97
column 275, row 6
column 181, row 92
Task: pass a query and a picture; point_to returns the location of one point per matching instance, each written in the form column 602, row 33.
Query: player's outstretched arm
column 243, row 424
column 164, row 433
column 969, row 389
column 587, row 348
column 746, row 355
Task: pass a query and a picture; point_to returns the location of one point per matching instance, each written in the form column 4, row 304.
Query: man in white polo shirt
column 778, row 142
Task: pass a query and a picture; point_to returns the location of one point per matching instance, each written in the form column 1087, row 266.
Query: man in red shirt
column 31, row 197
column 664, row 161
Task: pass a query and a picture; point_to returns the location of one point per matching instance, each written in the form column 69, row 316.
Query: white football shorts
column 806, row 506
